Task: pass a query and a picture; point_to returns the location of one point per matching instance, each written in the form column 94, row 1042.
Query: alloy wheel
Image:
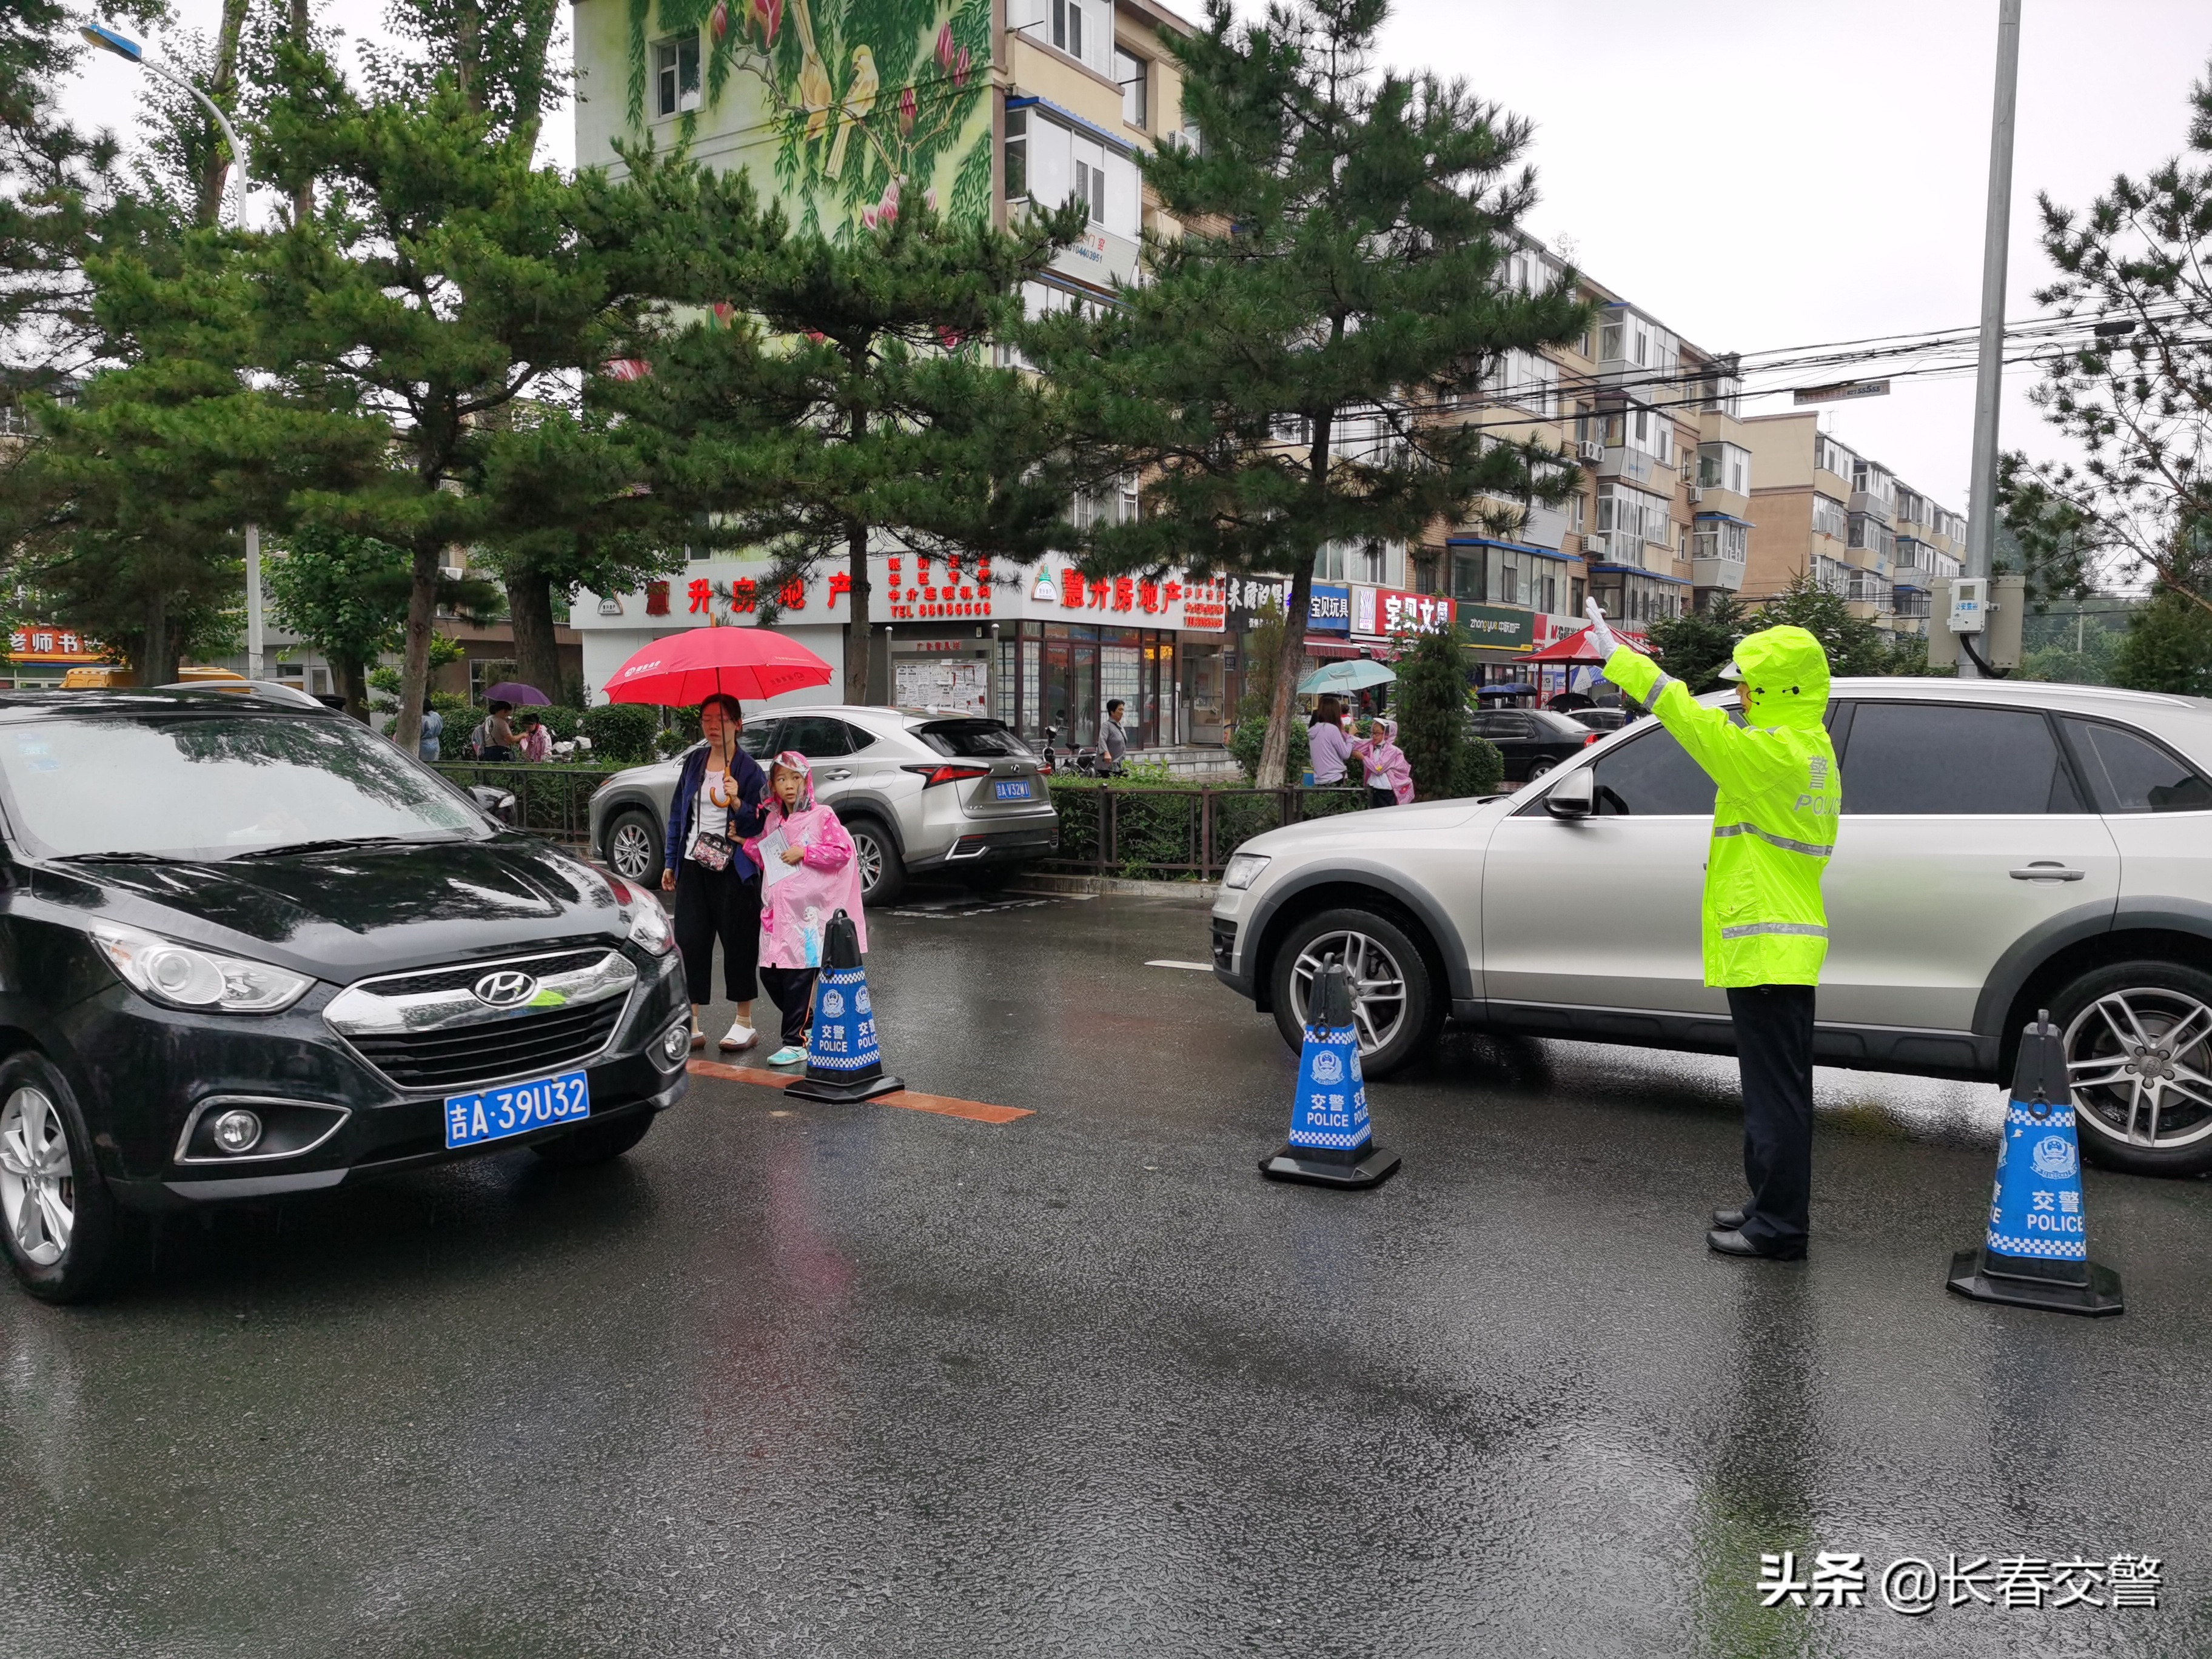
column 630, row 850
column 2140, row 1061
column 868, row 856
column 1378, row 984
column 37, row 1187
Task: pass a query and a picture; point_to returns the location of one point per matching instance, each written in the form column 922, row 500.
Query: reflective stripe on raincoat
column 797, row 911
column 1775, row 818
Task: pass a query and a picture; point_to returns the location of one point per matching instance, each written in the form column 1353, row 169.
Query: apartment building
column 984, row 106
column 1822, row 510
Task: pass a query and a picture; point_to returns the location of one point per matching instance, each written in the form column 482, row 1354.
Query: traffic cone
column 843, row 1061
column 2036, row 1252
column 1332, row 1143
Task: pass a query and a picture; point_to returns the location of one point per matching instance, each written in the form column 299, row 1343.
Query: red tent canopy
column 1578, row 646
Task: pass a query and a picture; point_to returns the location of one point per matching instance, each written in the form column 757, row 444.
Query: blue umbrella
column 1351, row 675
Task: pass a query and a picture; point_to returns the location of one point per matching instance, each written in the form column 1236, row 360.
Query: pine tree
column 846, row 392
column 1280, row 380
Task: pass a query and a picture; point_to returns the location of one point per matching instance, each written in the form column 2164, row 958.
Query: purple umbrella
column 518, row 694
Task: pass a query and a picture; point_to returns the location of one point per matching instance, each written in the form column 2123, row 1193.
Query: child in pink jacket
column 1389, row 774
column 796, row 906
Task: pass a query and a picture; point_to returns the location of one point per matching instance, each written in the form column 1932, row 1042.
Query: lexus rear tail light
column 946, row 773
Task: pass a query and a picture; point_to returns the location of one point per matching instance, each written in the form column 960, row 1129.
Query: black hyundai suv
column 248, row 948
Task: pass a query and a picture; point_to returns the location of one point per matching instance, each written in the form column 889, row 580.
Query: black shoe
column 1729, row 1221
column 1731, row 1242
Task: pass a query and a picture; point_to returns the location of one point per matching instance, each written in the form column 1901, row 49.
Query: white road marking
column 1194, row 967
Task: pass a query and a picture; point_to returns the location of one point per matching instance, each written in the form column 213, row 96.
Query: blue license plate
column 512, row 1108
column 1013, row 789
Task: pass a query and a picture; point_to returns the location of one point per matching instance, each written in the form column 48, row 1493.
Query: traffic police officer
column 1765, row 930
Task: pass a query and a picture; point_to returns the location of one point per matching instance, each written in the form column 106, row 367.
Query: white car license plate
column 513, row 1108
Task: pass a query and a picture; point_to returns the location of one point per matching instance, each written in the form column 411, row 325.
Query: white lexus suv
column 2004, row 846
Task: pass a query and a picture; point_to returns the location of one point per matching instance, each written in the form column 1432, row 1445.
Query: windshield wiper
column 333, row 845
column 117, row 858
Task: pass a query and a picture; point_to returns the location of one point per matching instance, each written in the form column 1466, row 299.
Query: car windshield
column 216, row 786
column 973, row 739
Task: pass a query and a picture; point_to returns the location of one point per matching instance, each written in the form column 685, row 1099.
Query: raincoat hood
column 793, row 761
column 1784, row 675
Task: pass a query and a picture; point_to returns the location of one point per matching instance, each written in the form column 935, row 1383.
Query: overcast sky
column 1770, row 173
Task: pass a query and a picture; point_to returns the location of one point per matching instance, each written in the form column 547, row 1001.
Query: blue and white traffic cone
column 2036, row 1252
column 1332, row 1144
column 843, row 1062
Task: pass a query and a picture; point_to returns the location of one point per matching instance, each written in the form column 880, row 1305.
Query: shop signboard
column 1383, row 613
column 39, row 642
column 1497, row 628
column 1329, row 610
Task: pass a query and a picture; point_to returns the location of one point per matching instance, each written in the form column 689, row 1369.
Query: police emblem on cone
column 1332, row 1143
column 843, row 1061
column 2035, row 1251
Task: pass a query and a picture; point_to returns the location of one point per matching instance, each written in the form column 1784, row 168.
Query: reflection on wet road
column 807, row 1380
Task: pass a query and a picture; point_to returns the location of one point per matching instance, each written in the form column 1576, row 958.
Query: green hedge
column 1158, row 831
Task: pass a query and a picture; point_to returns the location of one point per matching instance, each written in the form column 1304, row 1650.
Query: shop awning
column 1326, row 650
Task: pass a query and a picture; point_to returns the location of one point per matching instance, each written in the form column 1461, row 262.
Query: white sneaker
column 789, row 1055
column 740, row 1038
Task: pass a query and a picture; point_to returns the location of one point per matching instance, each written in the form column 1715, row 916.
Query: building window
column 1829, row 518
column 1375, row 564
column 1328, row 563
column 1721, row 538
column 1577, row 589
column 1725, row 466
column 676, row 75
column 1091, row 190
column 1017, row 155
column 1047, row 162
column 1525, row 380
column 1135, row 75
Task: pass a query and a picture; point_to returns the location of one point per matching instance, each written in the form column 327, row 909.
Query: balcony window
column 1525, row 380
column 1725, row 466
column 1721, row 538
column 1135, row 75
column 1871, row 533
column 1047, row 163
column 1829, row 518
column 1830, row 456
column 676, row 75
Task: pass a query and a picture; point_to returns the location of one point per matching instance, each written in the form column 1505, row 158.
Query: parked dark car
column 249, row 948
column 1533, row 740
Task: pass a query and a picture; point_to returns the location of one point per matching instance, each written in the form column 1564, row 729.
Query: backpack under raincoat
column 1774, row 819
column 796, row 911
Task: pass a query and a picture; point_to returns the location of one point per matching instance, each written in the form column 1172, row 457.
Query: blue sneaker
column 790, row 1054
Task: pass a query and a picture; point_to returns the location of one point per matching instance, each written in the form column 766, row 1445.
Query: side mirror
column 1575, row 795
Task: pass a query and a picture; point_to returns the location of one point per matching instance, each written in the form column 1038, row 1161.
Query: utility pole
column 1988, row 378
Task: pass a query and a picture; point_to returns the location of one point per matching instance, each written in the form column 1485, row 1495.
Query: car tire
column 1540, row 766
column 2172, row 1128
column 595, row 1143
column 882, row 871
column 1403, row 1026
column 75, row 1240
column 634, row 848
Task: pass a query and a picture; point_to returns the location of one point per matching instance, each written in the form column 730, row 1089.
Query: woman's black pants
column 718, row 903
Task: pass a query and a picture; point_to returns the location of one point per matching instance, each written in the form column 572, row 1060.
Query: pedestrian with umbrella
column 719, row 793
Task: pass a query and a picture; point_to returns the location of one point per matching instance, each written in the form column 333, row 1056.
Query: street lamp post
column 131, row 51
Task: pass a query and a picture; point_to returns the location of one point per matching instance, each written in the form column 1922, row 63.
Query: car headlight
column 185, row 976
column 1244, row 870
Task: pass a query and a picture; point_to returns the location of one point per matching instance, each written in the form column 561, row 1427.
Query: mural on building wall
column 852, row 103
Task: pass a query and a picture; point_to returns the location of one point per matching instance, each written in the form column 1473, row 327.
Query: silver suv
column 2005, row 846
column 918, row 789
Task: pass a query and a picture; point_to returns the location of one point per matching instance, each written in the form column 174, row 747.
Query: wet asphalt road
column 805, row 1380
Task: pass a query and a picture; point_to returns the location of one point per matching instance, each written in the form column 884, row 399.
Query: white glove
column 1608, row 641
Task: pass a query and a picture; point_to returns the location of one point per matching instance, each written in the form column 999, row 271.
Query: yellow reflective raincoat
column 1774, row 820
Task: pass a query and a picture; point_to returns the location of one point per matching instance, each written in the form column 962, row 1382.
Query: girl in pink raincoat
column 817, row 877
column 1389, row 774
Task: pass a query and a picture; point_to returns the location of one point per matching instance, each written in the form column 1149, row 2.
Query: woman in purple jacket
column 717, row 805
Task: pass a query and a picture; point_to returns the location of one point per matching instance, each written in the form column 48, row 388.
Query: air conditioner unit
column 1592, row 547
column 1590, row 451
column 1697, row 494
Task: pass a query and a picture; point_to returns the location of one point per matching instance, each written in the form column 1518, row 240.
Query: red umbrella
column 680, row 669
column 1578, row 646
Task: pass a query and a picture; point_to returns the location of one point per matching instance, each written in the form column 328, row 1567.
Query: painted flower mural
column 866, row 102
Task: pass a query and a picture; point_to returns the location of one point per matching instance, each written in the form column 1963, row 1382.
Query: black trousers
column 1774, row 1049
column 713, row 904
column 1379, row 796
column 794, row 991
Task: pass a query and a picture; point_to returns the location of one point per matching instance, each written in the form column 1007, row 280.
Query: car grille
column 462, row 977
column 459, row 1057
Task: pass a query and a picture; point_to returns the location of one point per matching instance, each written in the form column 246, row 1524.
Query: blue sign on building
column 1330, row 611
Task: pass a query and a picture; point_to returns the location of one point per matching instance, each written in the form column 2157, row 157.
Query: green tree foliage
column 1250, row 741
column 60, row 195
column 1279, row 380
column 1696, row 645
column 621, row 732
column 1695, row 648
column 2168, row 649
column 346, row 594
column 2136, row 399
column 844, row 393
column 1431, row 698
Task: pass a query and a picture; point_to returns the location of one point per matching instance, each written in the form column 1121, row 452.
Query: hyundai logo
column 506, row 988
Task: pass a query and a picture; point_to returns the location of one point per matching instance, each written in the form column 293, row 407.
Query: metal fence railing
column 554, row 801
column 1165, row 833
